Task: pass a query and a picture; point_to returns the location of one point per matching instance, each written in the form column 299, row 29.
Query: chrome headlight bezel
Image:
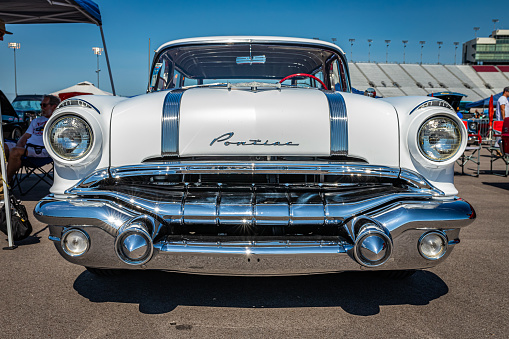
column 88, row 128
column 95, row 125
column 458, row 132
column 412, row 137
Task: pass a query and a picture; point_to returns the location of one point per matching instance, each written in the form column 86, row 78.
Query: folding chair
column 33, row 166
column 474, row 152
column 497, row 131
column 502, row 152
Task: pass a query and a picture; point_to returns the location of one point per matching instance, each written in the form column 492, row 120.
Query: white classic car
column 251, row 156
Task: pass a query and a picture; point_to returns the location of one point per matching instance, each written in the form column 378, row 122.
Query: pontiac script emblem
column 251, row 142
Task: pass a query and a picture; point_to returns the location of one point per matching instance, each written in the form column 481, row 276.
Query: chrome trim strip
column 170, row 123
column 77, row 102
column 396, row 217
column 254, row 247
column 318, row 168
column 338, row 124
column 430, row 103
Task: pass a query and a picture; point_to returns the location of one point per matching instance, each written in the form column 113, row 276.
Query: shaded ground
column 467, row 297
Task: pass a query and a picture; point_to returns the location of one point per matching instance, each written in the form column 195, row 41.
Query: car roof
column 254, row 39
column 29, row 97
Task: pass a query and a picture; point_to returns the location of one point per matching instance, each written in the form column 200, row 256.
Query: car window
column 27, row 105
column 191, row 65
column 160, row 74
column 334, row 76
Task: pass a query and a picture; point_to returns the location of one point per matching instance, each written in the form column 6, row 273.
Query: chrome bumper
column 405, row 220
column 328, row 217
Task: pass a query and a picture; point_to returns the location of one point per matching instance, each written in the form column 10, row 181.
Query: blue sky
column 55, row 56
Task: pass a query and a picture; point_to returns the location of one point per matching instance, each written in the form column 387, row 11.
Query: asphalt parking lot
column 467, row 296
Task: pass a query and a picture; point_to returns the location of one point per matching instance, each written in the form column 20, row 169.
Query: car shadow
column 502, row 185
column 358, row 293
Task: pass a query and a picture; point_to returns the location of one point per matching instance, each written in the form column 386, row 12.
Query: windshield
column 27, row 105
column 207, row 64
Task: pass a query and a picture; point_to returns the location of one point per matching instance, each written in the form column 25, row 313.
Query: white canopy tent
column 82, row 87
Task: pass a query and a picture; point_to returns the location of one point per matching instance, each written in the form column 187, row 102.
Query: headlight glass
column 71, row 137
column 439, row 138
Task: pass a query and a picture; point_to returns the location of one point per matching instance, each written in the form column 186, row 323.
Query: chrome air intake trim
column 338, row 124
column 347, row 170
column 170, row 124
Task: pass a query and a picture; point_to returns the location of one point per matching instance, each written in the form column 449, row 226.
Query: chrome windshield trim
column 338, row 124
column 170, row 123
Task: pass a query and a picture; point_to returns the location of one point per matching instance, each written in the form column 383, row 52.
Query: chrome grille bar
column 251, row 206
column 170, row 124
column 338, row 124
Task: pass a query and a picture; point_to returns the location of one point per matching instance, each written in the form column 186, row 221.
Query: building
column 488, row 51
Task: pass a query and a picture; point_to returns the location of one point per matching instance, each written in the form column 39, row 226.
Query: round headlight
column 70, row 137
column 439, row 138
column 433, row 245
column 75, row 242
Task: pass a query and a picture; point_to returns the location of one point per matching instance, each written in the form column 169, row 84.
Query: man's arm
column 502, row 111
column 23, row 140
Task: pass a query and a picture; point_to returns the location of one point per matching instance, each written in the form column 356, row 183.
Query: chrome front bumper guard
column 405, row 221
column 396, row 218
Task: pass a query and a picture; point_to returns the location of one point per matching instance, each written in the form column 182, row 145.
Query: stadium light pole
column 15, row 46
column 494, row 24
column 97, row 51
column 351, row 48
column 422, row 45
column 476, row 29
column 387, row 50
column 456, row 43
column 439, row 43
column 404, row 49
column 369, row 49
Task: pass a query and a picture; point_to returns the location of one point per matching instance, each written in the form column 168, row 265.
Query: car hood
column 218, row 121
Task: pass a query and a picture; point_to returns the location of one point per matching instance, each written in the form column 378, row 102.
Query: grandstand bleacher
column 479, row 86
column 491, row 76
column 477, row 82
column 406, row 83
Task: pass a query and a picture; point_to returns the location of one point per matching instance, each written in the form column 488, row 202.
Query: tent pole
column 7, row 204
column 107, row 60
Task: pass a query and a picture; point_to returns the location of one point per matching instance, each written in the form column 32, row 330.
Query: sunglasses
column 44, row 104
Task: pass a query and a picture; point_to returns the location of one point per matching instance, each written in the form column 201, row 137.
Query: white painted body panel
column 67, row 175
column 373, row 130
column 440, row 174
column 300, row 116
column 136, row 129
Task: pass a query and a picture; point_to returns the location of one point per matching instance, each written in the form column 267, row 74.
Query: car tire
column 16, row 133
column 396, row 275
column 104, row 272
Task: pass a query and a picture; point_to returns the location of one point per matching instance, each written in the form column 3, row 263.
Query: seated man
column 33, row 135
